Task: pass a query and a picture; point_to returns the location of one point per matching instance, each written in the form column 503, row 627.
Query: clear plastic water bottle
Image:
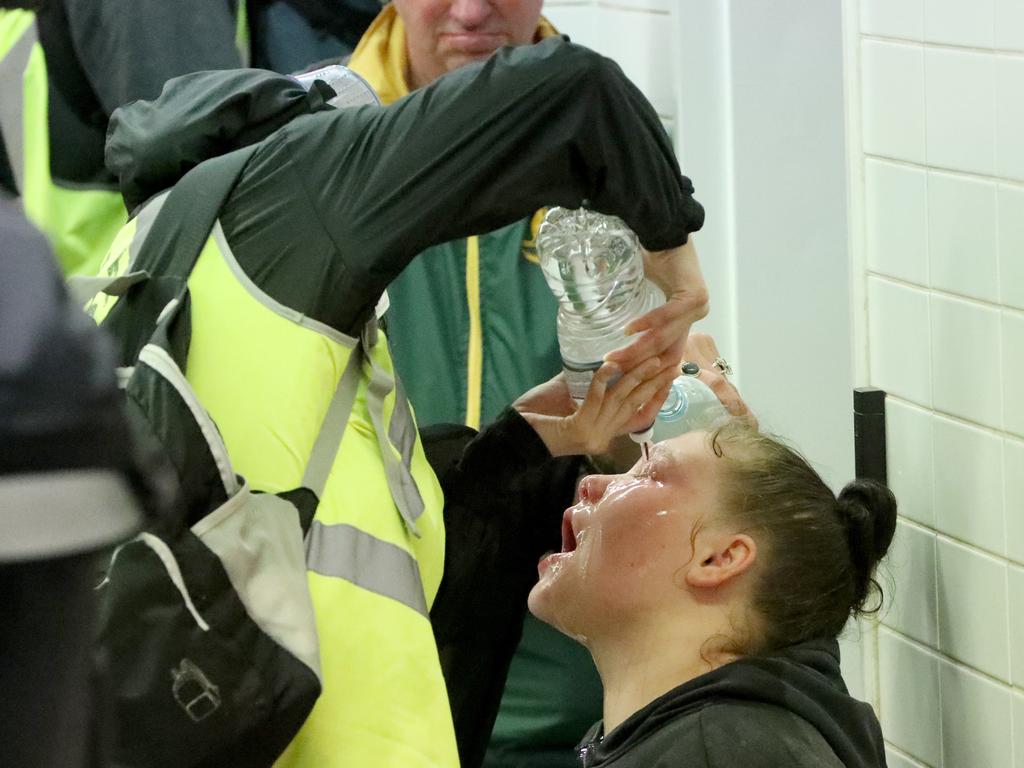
column 690, row 406
column 595, row 268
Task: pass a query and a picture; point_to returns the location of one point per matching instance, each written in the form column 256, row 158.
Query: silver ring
column 690, row 369
column 723, row 367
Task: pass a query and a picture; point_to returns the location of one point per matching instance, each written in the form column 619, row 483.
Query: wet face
column 443, row 35
column 627, row 541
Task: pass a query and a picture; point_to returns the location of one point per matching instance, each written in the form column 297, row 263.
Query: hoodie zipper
column 586, row 755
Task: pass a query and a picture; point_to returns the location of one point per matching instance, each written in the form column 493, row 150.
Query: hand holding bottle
column 702, row 350
column 612, row 407
column 663, row 331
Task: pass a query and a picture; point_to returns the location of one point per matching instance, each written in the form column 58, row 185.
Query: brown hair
column 817, row 552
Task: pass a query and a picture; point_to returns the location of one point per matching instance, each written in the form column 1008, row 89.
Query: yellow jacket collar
column 381, row 56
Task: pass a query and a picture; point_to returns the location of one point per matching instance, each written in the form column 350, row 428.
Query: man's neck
column 413, row 80
column 649, row 661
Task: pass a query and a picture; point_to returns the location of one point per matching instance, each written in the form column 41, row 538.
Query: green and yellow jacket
column 476, row 308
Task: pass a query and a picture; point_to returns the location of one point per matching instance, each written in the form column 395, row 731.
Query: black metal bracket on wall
column 869, row 433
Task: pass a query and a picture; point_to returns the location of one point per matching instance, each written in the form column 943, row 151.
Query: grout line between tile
column 633, row 9
column 975, row 548
column 943, row 293
column 857, row 191
column 973, row 175
column 942, row 656
column 908, row 756
column 942, row 46
column 922, row 528
column 993, row 431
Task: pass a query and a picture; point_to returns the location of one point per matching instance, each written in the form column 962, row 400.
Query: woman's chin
column 538, row 602
column 551, row 605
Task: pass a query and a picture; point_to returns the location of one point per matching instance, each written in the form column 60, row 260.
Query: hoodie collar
column 804, row 679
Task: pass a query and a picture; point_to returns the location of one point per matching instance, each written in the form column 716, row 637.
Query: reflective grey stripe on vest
column 344, row 552
column 12, row 102
column 396, row 467
column 269, row 301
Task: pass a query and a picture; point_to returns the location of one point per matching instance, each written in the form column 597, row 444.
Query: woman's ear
column 720, row 558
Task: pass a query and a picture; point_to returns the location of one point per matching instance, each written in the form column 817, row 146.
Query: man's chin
column 458, row 59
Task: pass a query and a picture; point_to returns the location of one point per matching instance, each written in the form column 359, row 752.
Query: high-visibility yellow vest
column 269, row 375
column 80, row 223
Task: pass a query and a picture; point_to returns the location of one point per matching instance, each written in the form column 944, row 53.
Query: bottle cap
column 643, row 435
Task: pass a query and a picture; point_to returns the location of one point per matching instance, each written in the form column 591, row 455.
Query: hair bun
column 868, row 510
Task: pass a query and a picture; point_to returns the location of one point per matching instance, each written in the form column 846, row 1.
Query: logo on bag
column 193, row 691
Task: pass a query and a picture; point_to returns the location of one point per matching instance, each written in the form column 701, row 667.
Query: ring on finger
column 722, row 366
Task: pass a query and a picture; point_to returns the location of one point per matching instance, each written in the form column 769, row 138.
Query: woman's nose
column 592, row 487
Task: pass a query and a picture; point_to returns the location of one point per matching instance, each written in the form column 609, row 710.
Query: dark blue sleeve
column 59, row 403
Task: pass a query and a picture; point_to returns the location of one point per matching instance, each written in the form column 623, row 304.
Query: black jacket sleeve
column 504, row 498
column 130, row 48
column 546, row 124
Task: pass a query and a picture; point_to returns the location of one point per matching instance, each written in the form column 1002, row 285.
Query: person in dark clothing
column 66, row 494
column 328, row 209
column 709, row 584
column 65, row 66
column 291, row 35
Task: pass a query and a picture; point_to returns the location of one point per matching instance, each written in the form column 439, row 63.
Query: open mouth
column 568, row 534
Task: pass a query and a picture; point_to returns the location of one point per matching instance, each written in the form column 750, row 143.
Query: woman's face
column 626, row 542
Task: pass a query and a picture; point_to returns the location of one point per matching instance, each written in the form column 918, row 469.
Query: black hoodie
column 789, row 709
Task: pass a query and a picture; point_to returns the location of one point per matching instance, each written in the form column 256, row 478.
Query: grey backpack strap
column 397, row 443
column 84, row 287
column 325, row 448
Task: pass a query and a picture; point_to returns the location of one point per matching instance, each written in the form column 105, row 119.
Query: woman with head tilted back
column 710, row 585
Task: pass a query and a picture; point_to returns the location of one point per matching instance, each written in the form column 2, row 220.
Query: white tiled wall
column 936, row 115
column 936, row 131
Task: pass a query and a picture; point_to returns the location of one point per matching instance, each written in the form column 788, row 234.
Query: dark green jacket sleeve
column 333, row 205
column 546, row 124
column 130, row 48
